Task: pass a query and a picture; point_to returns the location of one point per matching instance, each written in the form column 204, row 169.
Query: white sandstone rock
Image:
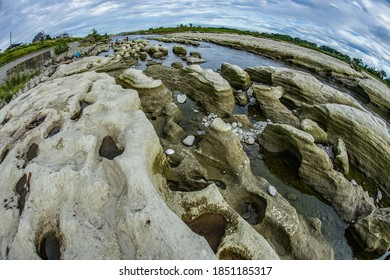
column 271, row 190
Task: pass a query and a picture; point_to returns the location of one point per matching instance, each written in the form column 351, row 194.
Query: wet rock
column 177, row 65
column 366, row 138
column 179, row 50
column 317, row 171
column 196, row 54
column 268, row 100
column 158, row 55
column 341, row 160
column 311, row 127
column 101, row 209
column 372, row 232
column 194, row 60
column 236, row 76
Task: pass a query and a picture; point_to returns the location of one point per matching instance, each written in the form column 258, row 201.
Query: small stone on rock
column 271, row 190
column 169, row 152
column 181, row 98
column 189, row 140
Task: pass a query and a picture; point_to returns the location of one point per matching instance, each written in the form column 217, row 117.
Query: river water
column 280, row 171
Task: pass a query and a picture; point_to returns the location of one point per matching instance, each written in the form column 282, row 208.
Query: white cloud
column 360, row 28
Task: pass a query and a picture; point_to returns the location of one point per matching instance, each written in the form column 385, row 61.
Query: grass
column 13, row 85
column 20, row 51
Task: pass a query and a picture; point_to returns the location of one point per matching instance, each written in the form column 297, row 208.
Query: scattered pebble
column 169, row 152
column 292, row 196
column 378, row 196
column 189, row 140
column 271, row 190
column 181, row 98
column 354, row 183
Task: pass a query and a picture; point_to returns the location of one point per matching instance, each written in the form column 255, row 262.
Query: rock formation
column 236, row 77
column 365, row 136
column 273, row 109
column 202, row 85
column 81, row 165
column 372, row 233
column 317, row 170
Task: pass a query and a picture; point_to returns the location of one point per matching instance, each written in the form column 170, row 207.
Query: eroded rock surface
column 300, row 87
column 73, row 202
column 372, row 233
column 202, row 85
column 365, row 136
column 317, row 170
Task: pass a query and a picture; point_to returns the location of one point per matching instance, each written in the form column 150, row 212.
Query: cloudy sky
column 359, row 28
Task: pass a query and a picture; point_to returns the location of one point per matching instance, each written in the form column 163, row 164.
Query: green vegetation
column 354, row 62
column 95, row 37
column 61, row 48
column 20, row 51
column 15, row 84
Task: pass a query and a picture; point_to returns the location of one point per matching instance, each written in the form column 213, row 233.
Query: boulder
column 366, row 138
column 236, row 77
column 194, row 60
column 316, row 170
column 153, row 93
column 372, row 232
column 202, row 85
column 179, row 50
column 268, row 99
column 83, row 173
column 311, row 127
column 301, row 87
column 158, row 55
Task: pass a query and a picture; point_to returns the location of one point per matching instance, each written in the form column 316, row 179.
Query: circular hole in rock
column 36, row 122
column 32, row 152
column 231, row 254
column 211, row 226
column 78, row 114
column 54, row 131
column 252, row 212
column 109, row 149
column 50, row 247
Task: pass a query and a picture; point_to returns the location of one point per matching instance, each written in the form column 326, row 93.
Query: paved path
column 5, row 68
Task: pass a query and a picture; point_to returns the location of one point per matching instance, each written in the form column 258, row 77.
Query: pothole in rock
column 32, row 152
column 4, row 155
column 78, row 114
column 211, row 226
column 253, row 211
column 5, row 120
column 22, row 188
column 109, row 149
column 232, row 254
column 50, row 247
column 53, row 131
column 36, row 122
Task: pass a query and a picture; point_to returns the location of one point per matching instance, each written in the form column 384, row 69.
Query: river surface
column 279, row 170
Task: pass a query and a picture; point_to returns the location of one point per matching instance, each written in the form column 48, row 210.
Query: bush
column 61, row 48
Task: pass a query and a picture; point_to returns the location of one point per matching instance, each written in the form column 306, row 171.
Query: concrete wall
column 29, row 64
